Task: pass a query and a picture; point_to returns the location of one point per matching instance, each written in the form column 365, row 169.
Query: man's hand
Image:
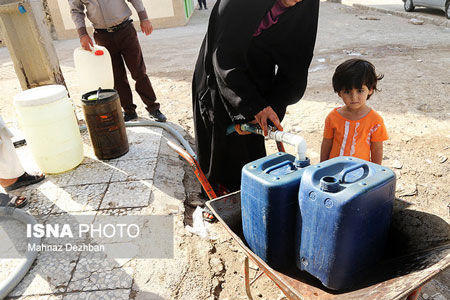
column 267, row 114
column 146, row 27
column 86, row 42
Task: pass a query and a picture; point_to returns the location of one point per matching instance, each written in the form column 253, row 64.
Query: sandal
column 12, row 201
column 24, row 180
column 208, row 215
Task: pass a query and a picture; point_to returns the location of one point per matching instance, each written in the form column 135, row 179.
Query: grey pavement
column 395, row 7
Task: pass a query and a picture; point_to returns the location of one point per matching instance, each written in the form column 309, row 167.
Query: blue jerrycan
column 269, row 204
column 345, row 213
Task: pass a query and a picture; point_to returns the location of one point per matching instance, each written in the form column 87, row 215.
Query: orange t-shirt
column 353, row 138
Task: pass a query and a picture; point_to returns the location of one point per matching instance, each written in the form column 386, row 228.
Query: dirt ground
column 413, row 101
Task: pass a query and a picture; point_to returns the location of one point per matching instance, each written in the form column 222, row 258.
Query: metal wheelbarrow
column 394, row 278
column 400, row 274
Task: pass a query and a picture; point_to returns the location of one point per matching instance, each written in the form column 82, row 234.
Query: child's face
column 355, row 98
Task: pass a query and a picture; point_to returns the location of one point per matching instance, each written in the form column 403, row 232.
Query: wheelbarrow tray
column 393, row 278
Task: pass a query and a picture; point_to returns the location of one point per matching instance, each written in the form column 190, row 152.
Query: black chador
column 238, row 74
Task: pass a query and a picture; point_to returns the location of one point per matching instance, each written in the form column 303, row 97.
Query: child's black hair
column 354, row 73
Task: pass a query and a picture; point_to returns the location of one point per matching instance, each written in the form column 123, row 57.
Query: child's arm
column 325, row 149
column 376, row 152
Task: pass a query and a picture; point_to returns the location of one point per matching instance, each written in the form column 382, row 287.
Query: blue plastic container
column 345, row 213
column 269, row 204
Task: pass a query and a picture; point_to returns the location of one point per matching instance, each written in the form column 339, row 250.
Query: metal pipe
column 165, row 126
column 281, row 136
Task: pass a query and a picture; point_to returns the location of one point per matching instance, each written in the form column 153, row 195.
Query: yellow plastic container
column 94, row 69
column 48, row 121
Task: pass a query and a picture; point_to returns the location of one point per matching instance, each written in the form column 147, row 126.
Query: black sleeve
column 238, row 21
column 294, row 54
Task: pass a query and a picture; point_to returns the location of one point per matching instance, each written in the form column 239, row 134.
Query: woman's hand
column 267, row 114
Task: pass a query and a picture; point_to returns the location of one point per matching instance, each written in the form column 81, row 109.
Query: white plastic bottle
column 48, row 122
column 94, row 68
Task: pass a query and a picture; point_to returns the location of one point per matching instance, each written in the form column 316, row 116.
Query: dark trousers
column 202, row 3
column 123, row 46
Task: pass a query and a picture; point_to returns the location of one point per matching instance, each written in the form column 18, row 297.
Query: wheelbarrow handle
column 197, row 170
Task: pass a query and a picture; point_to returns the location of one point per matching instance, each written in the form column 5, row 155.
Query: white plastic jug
column 48, row 122
column 94, row 69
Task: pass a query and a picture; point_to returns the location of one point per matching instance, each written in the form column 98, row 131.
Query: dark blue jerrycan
column 269, row 204
column 345, row 213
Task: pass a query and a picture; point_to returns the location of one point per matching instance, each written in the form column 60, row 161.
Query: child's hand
column 376, row 152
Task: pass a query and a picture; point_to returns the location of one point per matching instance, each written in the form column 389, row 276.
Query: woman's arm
column 376, row 152
column 325, row 149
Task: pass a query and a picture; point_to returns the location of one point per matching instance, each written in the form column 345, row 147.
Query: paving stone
column 50, row 274
column 167, row 198
column 95, row 271
column 73, row 220
column 79, row 198
column 100, row 295
column 168, row 191
column 42, row 297
column 170, row 169
column 144, row 142
column 42, row 199
column 96, row 172
column 127, row 170
column 139, row 236
column 127, row 194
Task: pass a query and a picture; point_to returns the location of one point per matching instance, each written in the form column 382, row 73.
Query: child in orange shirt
column 354, row 129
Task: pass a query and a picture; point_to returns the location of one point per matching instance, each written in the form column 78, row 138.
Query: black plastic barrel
column 105, row 123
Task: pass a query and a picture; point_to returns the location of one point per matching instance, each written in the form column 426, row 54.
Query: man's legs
column 132, row 54
column 121, row 84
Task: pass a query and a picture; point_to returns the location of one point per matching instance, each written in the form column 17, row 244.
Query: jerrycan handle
column 279, row 165
column 351, row 169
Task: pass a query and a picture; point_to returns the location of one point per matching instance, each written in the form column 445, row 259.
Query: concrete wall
column 163, row 13
column 26, row 33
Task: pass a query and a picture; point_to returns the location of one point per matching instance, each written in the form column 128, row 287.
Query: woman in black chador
column 253, row 62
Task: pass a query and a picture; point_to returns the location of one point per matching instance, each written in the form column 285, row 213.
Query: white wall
column 155, row 9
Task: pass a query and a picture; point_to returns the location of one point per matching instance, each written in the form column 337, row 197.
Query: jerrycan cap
column 329, row 184
column 99, row 52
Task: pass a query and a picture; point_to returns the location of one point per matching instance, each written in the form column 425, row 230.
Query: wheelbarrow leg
column 247, row 278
